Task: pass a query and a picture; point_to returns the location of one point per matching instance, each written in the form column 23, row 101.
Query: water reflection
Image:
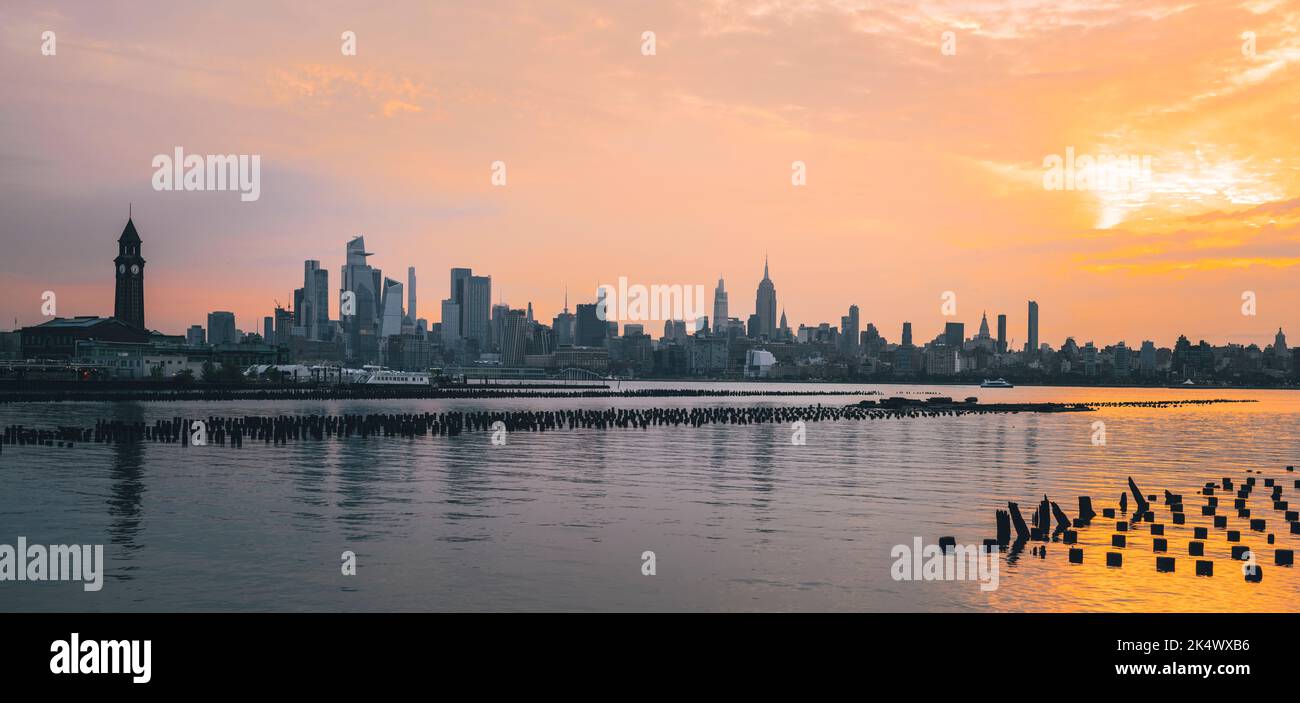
column 126, row 490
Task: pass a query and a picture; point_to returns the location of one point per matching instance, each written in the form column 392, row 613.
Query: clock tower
column 128, row 306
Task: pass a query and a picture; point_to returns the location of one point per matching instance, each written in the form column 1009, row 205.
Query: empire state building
column 765, row 305
column 128, row 305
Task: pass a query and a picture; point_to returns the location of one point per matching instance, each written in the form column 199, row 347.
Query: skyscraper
column 314, row 309
column 459, row 283
column 410, row 294
column 450, row 324
column 765, row 305
column 128, row 301
column 498, row 326
column 954, row 334
column 392, row 307
column 514, row 337
column 1002, row 333
column 474, row 312
column 283, row 327
column 563, row 324
column 221, row 328
column 1147, row 357
column 719, row 308
column 907, row 333
column 1031, row 345
column 590, row 329
column 361, row 315
column 473, row 294
column 850, row 326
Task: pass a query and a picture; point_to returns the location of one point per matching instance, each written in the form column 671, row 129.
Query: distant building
column 1147, row 358
column 359, row 310
column 719, row 308
column 589, row 358
column 850, row 325
column 942, row 360
column 564, row 325
column 312, row 305
column 284, row 328
column 391, row 305
column 1031, row 344
column 410, row 295
column 759, row 363
column 221, row 328
column 706, row 356
column 450, row 324
column 128, row 302
column 765, row 306
column 1002, row 334
column 954, row 334
column 1121, row 360
column 590, row 330
column 195, row 337
column 58, row 338
column 514, row 337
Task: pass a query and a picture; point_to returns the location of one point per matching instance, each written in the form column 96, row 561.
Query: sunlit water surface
column 737, row 516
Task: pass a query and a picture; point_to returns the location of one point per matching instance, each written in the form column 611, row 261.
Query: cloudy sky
column 924, row 166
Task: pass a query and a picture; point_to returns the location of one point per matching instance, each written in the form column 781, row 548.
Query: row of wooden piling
column 1040, row 529
column 281, row 429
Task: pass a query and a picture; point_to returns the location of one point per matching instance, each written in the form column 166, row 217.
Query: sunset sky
column 924, row 170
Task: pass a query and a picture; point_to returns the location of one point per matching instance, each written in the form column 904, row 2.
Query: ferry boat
column 1000, row 383
column 378, row 375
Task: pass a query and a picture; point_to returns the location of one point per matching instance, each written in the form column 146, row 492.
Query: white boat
column 1000, row 383
column 378, row 375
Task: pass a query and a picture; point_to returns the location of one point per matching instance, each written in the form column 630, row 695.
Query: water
column 737, row 516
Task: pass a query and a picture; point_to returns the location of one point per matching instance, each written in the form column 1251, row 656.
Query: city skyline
column 388, row 317
column 412, row 128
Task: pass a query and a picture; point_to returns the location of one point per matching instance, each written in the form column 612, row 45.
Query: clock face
column 121, row 268
column 135, row 268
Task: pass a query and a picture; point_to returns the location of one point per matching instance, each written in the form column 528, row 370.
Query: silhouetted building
column 58, row 338
column 719, row 307
column 590, row 329
column 954, row 333
column 1031, row 344
column 361, row 315
column 128, row 304
column 765, row 306
column 514, row 337
column 221, row 328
